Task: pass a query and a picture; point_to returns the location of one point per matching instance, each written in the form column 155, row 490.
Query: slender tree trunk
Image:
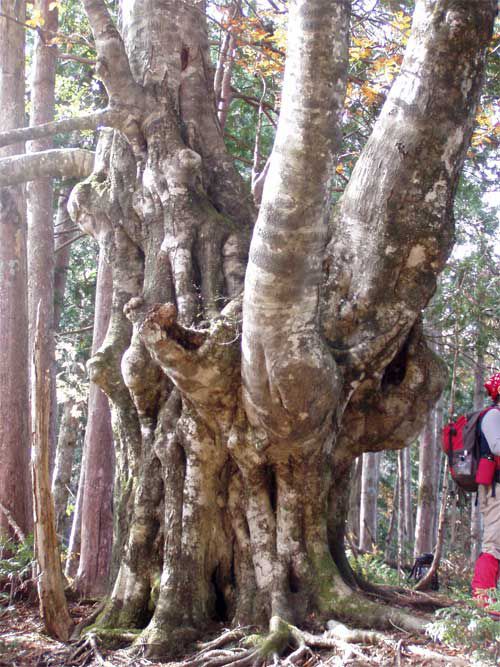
column 401, row 512
column 355, row 500
column 62, row 253
column 75, row 538
column 453, row 518
column 41, row 260
column 15, row 487
column 224, row 70
column 369, row 494
column 426, row 582
column 68, row 427
column 66, row 444
column 50, row 582
column 393, row 522
column 427, row 504
column 408, row 501
column 97, row 501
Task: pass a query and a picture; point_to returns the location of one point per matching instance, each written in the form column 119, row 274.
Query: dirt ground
column 24, row 644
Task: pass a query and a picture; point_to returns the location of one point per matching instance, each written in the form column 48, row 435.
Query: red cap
column 493, row 386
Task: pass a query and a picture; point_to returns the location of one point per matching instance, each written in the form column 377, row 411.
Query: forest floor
column 24, row 644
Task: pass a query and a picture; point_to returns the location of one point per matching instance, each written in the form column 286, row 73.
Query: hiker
column 487, row 565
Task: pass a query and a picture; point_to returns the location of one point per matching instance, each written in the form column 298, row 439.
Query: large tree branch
column 389, row 244
column 57, row 163
column 112, row 63
column 91, row 121
column 285, row 266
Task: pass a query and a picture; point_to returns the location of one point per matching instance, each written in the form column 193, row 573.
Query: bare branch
column 77, row 59
column 91, row 121
column 62, row 163
column 73, row 332
column 67, row 243
column 47, row 35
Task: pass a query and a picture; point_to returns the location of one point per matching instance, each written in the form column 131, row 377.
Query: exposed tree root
column 88, row 620
column 87, row 650
column 285, row 644
column 407, row 597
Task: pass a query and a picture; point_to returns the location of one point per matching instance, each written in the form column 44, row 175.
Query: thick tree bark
column 369, row 495
column 40, row 242
column 15, row 487
column 97, row 500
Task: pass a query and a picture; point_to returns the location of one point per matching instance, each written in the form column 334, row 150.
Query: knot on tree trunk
column 162, row 319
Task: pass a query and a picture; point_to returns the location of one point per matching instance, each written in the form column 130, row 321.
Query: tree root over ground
column 287, row 646
column 23, row 642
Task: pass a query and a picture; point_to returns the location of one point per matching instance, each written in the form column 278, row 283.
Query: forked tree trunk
column 369, row 495
column 246, row 486
column 237, row 491
column 15, row 486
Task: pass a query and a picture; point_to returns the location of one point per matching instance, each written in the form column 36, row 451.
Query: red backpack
column 462, row 444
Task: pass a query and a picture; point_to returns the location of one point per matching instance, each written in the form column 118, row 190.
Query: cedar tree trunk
column 15, row 486
column 97, row 499
column 41, row 259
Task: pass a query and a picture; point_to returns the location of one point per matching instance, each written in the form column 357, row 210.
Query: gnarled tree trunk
column 237, row 418
column 246, row 485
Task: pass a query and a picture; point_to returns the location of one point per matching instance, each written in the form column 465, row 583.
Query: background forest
column 395, row 496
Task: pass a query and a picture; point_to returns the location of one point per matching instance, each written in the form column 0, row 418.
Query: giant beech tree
column 248, row 365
